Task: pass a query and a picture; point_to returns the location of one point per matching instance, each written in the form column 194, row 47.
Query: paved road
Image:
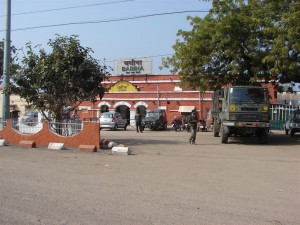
column 165, row 181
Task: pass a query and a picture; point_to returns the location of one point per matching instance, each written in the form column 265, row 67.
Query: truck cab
column 241, row 111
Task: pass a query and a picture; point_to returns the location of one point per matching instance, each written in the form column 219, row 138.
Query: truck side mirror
column 221, row 94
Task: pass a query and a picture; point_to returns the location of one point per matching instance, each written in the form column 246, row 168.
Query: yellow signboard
column 123, row 86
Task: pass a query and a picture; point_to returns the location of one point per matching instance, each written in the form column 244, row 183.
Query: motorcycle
column 177, row 124
column 202, row 126
column 187, row 127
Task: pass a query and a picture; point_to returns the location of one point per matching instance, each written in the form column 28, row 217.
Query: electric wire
column 108, row 20
column 67, row 8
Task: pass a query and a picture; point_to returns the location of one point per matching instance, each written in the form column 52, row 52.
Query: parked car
column 155, row 120
column 112, row 120
column 292, row 125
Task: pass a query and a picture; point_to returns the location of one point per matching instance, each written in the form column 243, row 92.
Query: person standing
column 193, row 120
column 138, row 121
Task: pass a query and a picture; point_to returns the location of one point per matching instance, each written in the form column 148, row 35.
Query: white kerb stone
column 56, row 146
column 3, row 142
column 120, row 150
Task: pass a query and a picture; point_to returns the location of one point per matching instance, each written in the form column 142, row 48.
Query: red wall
column 90, row 135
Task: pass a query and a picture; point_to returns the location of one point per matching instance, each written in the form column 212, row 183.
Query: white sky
column 137, row 38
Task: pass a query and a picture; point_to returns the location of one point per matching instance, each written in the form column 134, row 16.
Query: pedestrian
column 138, row 121
column 193, row 120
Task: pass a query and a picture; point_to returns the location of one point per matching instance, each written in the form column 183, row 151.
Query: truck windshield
column 249, row 95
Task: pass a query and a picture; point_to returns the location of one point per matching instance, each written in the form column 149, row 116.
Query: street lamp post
column 5, row 99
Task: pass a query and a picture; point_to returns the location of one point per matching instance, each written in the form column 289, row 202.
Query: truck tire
column 216, row 133
column 286, row 131
column 224, row 135
column 292, row 133
column 263, row 137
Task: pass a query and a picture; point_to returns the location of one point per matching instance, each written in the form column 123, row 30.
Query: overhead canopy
column 186, row 109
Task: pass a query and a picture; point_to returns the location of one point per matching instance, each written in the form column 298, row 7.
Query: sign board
column 123, row 86
column 133, row 66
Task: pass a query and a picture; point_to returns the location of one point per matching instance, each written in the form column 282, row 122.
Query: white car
column 112, row 120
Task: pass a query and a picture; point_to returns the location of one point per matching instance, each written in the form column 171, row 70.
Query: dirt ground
column 164, row 181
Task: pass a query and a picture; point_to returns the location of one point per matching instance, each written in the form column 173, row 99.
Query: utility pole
column 6, row 62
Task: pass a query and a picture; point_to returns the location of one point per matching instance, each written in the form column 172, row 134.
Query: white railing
column 66, row 127
column 2, row 124
column 26, row 127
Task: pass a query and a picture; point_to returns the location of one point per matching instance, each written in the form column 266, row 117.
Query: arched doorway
column 104, row 108
column 142, row 107
column 124, row 109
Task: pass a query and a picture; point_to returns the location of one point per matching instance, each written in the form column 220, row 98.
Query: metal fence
column 279, row 115
column 66, row 127
column 26, row 127
column 2, row 124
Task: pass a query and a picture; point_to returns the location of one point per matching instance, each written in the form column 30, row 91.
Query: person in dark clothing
column 193, row 120
column 138, row 122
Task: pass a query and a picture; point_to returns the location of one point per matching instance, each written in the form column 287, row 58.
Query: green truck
column 241, row 111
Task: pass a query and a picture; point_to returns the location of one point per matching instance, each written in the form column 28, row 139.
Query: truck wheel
column 224, row 135
column 286, row 132
column 216, row 133
column 263, row 137
column 292, row 133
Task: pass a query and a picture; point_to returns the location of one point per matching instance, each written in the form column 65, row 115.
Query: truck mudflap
column 246, row 124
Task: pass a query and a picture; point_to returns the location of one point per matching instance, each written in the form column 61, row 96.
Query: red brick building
column 127, row 93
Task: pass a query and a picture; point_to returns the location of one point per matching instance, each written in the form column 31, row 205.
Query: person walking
column 138, row 121
column 193, row 120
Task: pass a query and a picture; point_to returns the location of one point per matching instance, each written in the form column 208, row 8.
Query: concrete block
column 27, row 144
column 56, row 146
column 87, row 148
column 119, row 150
column 3, row 142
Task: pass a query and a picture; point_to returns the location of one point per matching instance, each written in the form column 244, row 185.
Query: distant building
column 127, row 93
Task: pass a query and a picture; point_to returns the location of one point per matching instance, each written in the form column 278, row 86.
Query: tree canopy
column 241, row 43
column 64, row 77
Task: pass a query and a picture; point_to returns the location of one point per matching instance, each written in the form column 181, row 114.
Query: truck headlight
column 232, row 108
column 265, row 108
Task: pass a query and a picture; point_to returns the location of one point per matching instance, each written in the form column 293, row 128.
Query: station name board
column 133, row 66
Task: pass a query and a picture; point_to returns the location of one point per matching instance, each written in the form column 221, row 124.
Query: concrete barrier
column 56, row 146
column 27, row 144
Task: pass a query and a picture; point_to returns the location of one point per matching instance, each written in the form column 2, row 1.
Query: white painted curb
column 120, row 150
column 56, row 146
column 3, row 142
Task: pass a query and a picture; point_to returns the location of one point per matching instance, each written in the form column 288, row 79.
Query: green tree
column 239, row 42
column 66, row 76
